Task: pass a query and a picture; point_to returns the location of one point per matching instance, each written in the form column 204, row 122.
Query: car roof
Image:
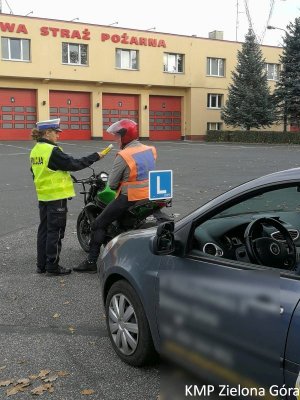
column 284, row 176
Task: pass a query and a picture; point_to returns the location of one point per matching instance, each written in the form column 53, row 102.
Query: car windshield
column 280, row 200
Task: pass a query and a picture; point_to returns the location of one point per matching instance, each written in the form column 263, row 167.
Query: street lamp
column 275, row 27
column 285, row 108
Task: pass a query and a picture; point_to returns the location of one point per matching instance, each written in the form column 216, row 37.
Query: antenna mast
column 272, row 2
column 237, row 20
column 248, row 15
column 10, row 10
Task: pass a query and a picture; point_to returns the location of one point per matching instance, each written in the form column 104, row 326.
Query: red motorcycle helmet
column 126, row 129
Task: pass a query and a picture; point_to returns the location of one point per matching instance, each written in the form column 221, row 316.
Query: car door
column 229, row 316
column 223, row 318
column 292, row 352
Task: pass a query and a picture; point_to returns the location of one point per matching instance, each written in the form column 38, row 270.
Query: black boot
column 86, row 266
column 57, row 270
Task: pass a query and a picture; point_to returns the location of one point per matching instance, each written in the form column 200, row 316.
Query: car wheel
column 128, row 326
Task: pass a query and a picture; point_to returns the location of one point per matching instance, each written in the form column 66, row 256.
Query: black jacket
column 63, row 162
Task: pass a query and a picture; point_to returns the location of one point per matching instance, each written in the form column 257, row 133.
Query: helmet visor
column 114, row 128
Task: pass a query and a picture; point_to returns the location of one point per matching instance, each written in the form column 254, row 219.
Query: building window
column 127, row 59
column 173, row 63
column 215, row 67
column 214, row 126
column 15, row 49
column 74, row 53
column 214, row 100
column 272, row 71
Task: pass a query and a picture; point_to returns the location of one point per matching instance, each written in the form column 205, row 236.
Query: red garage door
column 74, row 111
column 17, row 113
column 295, row 127
column 116, row 107
column 165, row 118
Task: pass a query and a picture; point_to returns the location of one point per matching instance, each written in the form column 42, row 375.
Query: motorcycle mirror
column 74, row 178
column 163, row 243
column 92, row 170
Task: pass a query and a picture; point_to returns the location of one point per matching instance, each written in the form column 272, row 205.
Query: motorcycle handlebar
column 86, row 180
column 89, row 180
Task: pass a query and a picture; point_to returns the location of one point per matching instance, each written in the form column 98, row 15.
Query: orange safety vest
column 140, row 160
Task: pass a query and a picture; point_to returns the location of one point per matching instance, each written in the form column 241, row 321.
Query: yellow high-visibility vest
column 50, row 185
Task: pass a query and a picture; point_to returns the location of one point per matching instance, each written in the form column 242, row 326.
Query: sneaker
column 86, row 266
column 40, row 270
column 57, row 270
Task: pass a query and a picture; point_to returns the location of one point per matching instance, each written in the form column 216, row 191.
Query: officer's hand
column 105, row 151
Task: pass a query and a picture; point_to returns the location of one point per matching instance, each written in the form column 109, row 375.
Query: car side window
column 262, row 229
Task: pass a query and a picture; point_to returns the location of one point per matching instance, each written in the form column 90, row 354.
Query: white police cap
column 50, row 124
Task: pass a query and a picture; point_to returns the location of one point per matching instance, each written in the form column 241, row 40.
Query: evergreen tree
column 249, row 104
column 287, row 91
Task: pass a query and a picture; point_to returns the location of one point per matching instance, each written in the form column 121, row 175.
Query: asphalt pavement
column 52, row 329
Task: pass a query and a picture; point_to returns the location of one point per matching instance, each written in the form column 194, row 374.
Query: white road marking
column 13, row 154
column 12, row 145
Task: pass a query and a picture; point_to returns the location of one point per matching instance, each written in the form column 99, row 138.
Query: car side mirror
column 163, row 243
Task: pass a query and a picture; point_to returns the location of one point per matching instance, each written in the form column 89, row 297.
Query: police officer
column 54, row 185
column 129, row 176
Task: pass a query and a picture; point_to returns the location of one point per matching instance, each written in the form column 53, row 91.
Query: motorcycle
column 97, row 195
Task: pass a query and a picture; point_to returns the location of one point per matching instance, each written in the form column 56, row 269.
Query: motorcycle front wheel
column 84, row 231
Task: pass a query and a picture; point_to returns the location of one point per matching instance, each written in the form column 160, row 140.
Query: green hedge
column 253, row 137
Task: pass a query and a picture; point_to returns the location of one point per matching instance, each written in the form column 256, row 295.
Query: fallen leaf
column 62, row 281
column 12, row 391
column 16, row 389
column 24, row 382
column 50, row 378
column 87, row 392
column 62, row 373
column 51, row 389
column 6, row 383
column 56, row 315
column 44, row 372
column 1, row 368
column 33, row 377
column 66, row 302
column 38, row 390
column 20, row 387
column 71, row 329
column 47, row 387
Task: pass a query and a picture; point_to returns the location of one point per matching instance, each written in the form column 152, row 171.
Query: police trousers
column 53, row 219
column 110, row 213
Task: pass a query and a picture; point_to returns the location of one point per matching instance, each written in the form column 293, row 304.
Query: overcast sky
column 186, row 17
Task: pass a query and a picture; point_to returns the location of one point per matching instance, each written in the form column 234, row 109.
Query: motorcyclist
column 53, row 183
column 129, row 177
